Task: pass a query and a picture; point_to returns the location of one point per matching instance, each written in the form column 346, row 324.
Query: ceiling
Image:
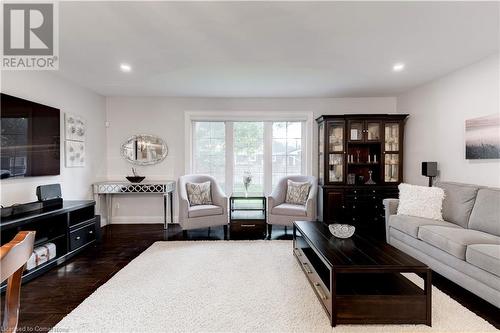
column 270, row 49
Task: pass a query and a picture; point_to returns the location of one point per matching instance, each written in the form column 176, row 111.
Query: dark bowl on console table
column 135, row 179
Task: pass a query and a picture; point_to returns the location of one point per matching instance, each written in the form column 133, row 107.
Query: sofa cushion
column 289, row 210
column 458, row 202
column 485, row 256
column 420, row 201
column 410, row 224
column 204, row 210
column 485, row 215
column 443, row 262
column 454, row 240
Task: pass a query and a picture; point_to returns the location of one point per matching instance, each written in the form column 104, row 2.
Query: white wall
column 436, row 128
column 165, row 117
column 49, row 89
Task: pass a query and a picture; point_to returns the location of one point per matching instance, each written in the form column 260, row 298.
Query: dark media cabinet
column 352, row 149
column 71, row 226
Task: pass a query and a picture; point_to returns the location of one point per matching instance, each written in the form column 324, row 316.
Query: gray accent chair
column 202, row 216
column 465, row 247
column 282, row 213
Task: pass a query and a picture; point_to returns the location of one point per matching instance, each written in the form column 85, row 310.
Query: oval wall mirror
column 144, row 149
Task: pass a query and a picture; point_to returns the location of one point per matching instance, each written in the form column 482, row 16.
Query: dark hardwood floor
column 47, row 299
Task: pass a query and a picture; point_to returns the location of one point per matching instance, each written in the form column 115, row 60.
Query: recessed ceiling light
column 398, row 67
column 125, row 67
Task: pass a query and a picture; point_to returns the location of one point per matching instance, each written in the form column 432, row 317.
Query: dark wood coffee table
column 358, row 280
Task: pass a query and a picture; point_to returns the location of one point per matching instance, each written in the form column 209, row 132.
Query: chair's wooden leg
column 225, row 232
column 12, row 297
column 269, row 230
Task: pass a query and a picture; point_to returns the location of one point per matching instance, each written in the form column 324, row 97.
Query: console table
column 110, row 188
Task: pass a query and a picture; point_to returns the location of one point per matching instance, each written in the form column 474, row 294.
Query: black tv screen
column 30, row 143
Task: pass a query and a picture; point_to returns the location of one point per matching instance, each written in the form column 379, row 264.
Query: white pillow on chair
column 421, row 201
column 297, row 193
column 199, row 193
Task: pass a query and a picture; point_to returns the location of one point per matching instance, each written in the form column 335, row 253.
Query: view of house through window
column 209, row 149
column 248, row 150
column 287, row 150
column 264, row 150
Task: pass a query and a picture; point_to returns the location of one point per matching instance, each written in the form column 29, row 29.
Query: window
column 286, row 150
column 248, row 141
column 209, row 149
column 267, row 149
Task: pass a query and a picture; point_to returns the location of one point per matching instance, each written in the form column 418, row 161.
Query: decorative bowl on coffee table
column 342, row 230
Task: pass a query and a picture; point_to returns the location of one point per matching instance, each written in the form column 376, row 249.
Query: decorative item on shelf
column 351, row 179
column 361, row 179
column 135, row 178
column 342, row 230
column 357, row 156
column 374, row 158
column 370, row 181
column 354, row 134
column 247, row 180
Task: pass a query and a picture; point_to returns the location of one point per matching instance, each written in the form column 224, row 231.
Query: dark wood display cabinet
column 360, row 163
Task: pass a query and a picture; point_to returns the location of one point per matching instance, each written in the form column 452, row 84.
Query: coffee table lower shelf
column 365, row 295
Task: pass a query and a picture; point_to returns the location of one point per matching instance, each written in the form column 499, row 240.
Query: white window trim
column 267, row 116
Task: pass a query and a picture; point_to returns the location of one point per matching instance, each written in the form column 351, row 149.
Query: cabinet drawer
column 248, row 226
column 82, row 236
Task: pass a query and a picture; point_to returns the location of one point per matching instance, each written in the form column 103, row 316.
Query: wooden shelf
column 366, row 163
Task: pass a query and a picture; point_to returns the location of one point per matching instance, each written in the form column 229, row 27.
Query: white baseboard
column 137, row 219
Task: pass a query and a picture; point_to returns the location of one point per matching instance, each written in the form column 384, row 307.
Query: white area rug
column 229, row 286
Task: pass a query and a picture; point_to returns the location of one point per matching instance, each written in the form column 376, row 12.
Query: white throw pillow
column 297, row 193
column 421, row 201
column 199, row 193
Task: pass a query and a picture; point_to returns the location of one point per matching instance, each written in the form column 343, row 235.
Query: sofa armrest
column 391, row 208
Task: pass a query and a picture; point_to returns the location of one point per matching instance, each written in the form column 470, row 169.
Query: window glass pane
column 248, row 141
column 209, row 149
column 286, row 150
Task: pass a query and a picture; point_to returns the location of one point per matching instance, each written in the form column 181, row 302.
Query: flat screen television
column 30, row 138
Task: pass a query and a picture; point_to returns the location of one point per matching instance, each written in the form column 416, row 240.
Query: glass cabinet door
column 391, row 166
column 336, row 168
column 391, row 150
column 391, row 137
column 321, row 153
column 356, row 131
column 373, row 131
column 335, row 137
column 336, row 148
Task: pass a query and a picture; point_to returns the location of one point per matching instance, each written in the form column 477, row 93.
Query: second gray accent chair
column 202, row 216
column 465, row 247
column 282, row 213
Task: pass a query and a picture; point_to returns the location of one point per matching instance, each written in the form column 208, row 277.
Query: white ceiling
column 270, row 49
